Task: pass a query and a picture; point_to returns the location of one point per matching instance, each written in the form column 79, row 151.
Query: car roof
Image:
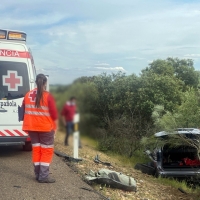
column 194, row 131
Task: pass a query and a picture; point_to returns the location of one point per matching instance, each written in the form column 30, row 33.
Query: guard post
column 76, row 135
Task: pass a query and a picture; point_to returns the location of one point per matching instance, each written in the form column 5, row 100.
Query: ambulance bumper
column 11, row 143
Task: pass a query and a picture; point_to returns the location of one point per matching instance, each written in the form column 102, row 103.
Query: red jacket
column 69, row 111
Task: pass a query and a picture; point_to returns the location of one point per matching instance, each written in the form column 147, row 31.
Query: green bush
column 118, row 110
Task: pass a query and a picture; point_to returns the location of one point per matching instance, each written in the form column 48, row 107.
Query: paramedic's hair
column 40, row 81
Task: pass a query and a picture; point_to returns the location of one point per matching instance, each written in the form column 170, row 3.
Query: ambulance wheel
column 27, row 146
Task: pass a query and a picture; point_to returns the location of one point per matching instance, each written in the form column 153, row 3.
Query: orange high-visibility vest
column 37, row 119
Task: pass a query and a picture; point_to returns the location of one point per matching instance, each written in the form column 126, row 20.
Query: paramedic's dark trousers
column 42, row 152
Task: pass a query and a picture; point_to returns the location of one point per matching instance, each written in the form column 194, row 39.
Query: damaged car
column 178, row 161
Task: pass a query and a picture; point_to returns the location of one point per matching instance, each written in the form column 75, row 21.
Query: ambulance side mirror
column 47, row 88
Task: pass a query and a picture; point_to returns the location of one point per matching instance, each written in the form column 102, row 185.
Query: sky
column 74, row 38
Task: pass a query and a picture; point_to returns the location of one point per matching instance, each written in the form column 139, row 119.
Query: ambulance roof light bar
column 3, row 34
column 16, row 36
column 12, row 35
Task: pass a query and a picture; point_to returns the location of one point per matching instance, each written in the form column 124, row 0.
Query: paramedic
column 68, row 112
column 40, row 120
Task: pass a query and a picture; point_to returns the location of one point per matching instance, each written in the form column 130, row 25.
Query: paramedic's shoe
column 47, row 180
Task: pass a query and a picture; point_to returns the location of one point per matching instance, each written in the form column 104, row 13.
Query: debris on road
column 113, row 179
column 17, row 186
column 67, row 157
column 97, row 160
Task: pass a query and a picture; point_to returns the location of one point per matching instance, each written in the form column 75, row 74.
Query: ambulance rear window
column 14, row 82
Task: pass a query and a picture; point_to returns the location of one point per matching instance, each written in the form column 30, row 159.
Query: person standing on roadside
column 40, row 121
column 68, row 112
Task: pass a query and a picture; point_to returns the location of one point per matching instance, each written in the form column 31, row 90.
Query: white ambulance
column 17, row 77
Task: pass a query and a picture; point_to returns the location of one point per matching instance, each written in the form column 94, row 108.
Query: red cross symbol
column 12, row 80
column 32, row 95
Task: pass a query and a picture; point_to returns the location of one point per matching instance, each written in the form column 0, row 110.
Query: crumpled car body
column 179, row 162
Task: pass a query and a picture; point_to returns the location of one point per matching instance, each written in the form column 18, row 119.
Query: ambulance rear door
column 16, row 79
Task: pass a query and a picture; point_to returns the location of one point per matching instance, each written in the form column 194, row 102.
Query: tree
column 160, row 67
column 160, row 90
column 187, row 115
column 182, row 69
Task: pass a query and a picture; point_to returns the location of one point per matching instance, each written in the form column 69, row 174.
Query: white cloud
column 102, row 64
column 162, row 31
column 111, row 68
column 192, row 56
column 149, row 61
column 103, row 34
column 133, row 58
column 30, row 21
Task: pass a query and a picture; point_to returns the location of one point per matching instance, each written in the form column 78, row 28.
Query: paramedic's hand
column 56, row 130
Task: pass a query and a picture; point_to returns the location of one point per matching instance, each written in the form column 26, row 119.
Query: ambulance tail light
column 28, row 139
column 2, row 34
column 16, row 36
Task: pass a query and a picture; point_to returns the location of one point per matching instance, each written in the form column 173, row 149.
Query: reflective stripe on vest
column 37, row 113
column 33, row 106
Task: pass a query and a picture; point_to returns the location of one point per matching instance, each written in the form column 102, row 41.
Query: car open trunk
column 183, row 157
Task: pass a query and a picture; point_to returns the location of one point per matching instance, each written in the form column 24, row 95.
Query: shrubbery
column 118, row 110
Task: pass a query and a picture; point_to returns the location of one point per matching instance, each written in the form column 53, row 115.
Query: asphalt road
column 17, row 179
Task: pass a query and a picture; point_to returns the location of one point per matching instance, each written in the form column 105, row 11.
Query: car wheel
column 27, row 146
column 157, row 174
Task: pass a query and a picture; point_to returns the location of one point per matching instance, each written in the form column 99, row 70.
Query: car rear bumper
column 180, row 174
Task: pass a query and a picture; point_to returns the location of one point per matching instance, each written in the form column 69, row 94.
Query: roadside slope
column 148, row 186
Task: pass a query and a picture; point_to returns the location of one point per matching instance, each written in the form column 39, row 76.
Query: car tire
column 157, row 174
column 27, row 146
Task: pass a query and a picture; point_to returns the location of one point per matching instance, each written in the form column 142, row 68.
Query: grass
column 194, row 192
column 129, row 162
column 176, row 184
column 89, row 141
column 139, row 156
